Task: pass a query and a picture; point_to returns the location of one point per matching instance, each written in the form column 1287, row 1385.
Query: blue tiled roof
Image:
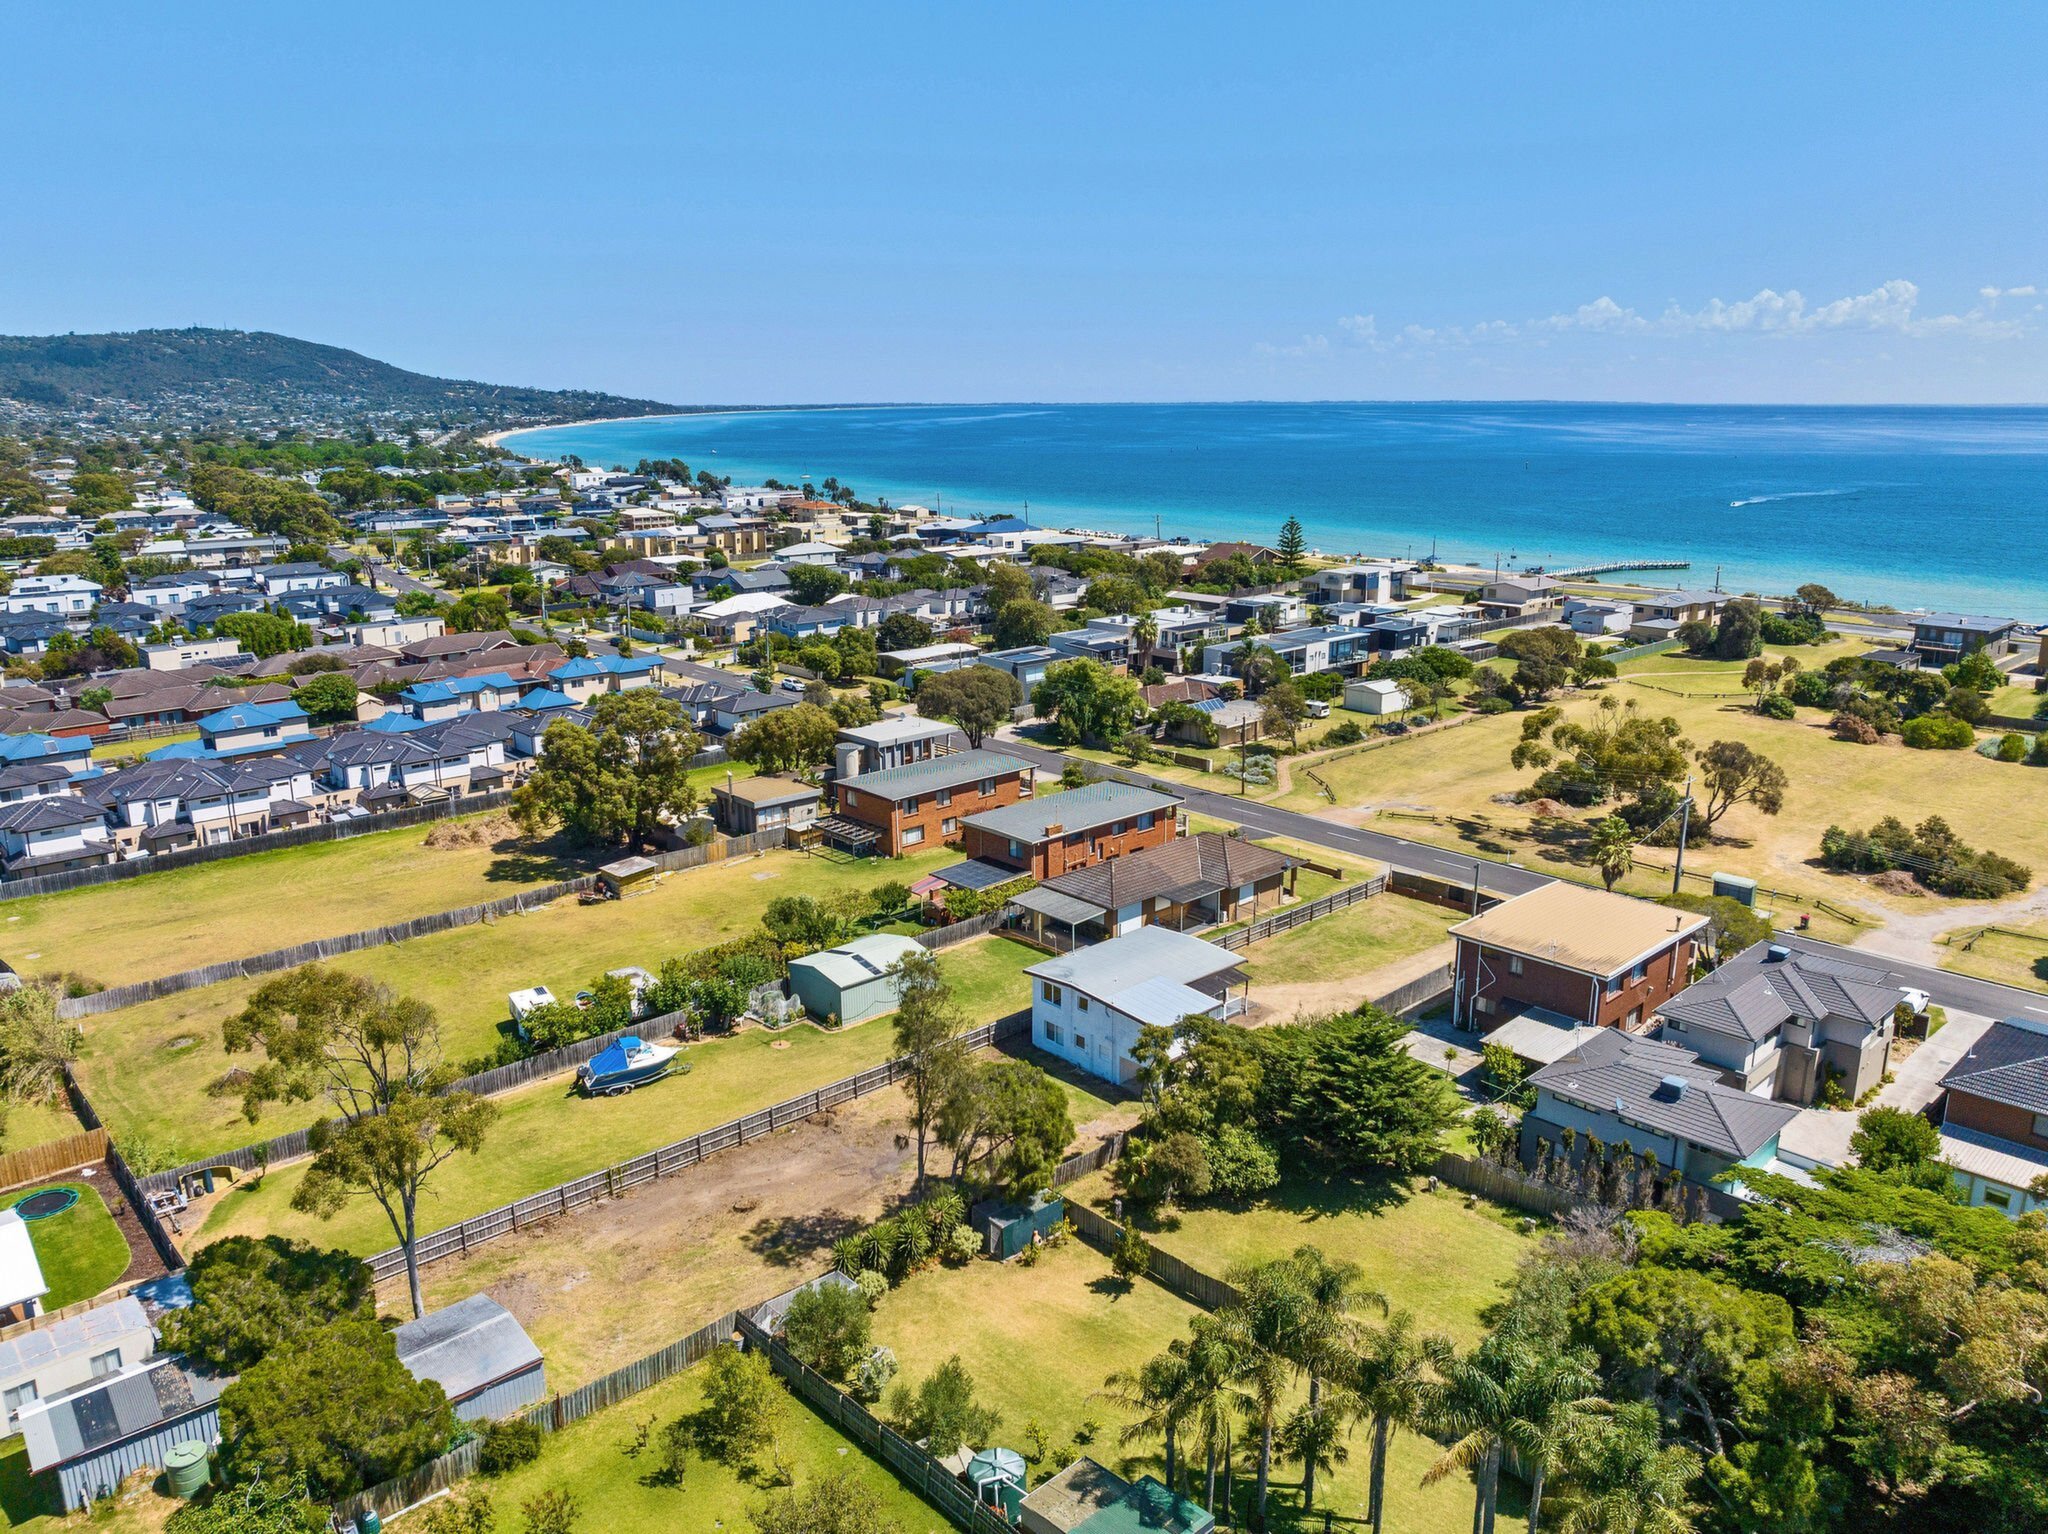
column 252, row 716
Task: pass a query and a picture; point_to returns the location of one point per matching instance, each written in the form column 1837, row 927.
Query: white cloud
column 1891, row 308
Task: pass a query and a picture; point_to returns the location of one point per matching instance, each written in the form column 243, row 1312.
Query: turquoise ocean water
column 1917, row 507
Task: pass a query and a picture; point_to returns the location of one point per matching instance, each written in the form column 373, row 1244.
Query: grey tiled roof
column 1753, row 995
column 938, row 772
column 2009, row 1065
column 1077, row 809
column 1184, row 868
column 1621, row 1074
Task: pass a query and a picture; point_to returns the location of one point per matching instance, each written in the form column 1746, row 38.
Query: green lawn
column 548, row 1134
column 1039, row 1342
column 33, row 1123
column 82, row 1250
column 124, row 750
column 1426, row 1252
column 1351, row 942
column 590, row 1461
column 147, row 1068
column 160, row 923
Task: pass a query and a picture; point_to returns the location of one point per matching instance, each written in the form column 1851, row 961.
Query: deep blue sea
column 1918, row 507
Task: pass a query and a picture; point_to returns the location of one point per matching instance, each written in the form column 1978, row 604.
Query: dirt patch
column 143, row 1262
column 1548, row 809
column 609, row 1284
column 486, row 831
column 1315, row 998
column 1896, row 881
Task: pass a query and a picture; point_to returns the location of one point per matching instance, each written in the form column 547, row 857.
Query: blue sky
column 765, row 203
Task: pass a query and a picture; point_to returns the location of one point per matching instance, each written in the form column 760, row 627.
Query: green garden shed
column 853, row 981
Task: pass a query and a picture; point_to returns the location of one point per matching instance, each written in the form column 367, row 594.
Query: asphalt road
column 1964, row 993
column 1452, row 867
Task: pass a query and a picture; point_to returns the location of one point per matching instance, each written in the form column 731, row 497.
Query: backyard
column 548, row 1134
column 1039, row 1341
column 147, row 1068
column 80, row 1250
column 1352, row 955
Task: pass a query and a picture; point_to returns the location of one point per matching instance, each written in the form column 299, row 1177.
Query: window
column 912, row 835
column 988, row 785
column 1117, row 829
column 106, row 1363
column 2041, row 1125
column 1514, row 964
column 1998, row 1198
column 1016, row 848
column 19, row 1397
column 1050, row 992
column 1080, row 1041
column 1635, row 1019
column 1640, row 972
column 849, row 798
column 1145, row 821
column 949, row 826
column 1054, row 1034
column 909, row 806
column 1081, row 1002
column 944, row 797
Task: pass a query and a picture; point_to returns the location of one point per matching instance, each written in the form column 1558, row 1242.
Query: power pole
column 1684, row 825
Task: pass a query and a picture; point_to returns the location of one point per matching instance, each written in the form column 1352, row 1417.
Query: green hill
column 254, row 378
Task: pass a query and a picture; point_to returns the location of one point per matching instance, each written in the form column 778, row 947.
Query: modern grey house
column 479, row 1354
column 1777, row 1023
column 1653, row 1096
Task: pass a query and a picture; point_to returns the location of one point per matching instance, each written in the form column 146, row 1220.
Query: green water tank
column 369, row 1522
column 188, row 1466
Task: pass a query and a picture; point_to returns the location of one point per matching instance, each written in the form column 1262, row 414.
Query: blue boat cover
column 611, row 1060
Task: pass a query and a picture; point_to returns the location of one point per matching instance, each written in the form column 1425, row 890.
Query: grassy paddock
column 159, row 923
column 1457, row 775
column 147, row 1068
column 2014, row 956
column 1351, row 943
column 548, row 1134
column 1040, row 1341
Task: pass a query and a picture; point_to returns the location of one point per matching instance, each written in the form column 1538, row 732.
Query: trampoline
column 40, row 1206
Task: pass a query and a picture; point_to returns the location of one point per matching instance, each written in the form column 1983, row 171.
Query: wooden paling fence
column 916, row 1468
column 35, row 1162
column 1289, row 917
column 1184, row 1279
column 612, row 1182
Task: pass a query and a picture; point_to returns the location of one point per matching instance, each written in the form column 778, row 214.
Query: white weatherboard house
column 1087, row 1006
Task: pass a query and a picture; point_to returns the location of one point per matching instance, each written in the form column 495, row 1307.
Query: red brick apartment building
column 1060, row 832
column 1581, row 955
column 922, row 805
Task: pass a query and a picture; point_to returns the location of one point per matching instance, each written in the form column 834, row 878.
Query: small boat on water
column 623, row 1065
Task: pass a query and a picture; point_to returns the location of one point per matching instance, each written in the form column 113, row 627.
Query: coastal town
column 622, row 997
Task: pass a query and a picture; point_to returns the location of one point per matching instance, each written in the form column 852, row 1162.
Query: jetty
column 1612, row 566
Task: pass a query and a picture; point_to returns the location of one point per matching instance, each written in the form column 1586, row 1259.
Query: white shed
column 1375, row 695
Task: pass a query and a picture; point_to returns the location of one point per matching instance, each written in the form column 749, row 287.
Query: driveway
column 1820, row 1136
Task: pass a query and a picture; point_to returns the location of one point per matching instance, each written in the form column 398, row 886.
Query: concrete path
column 1820, row 1136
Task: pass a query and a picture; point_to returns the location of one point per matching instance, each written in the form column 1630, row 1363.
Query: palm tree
column 1508, row 1393
column 1161, row 1392
column 1214, row 1398
column 1625, row 1480
column 1613, row 848
column 1323, row 1344
column 1387, row 1379
column 1145, row 634
column 1271, row 1311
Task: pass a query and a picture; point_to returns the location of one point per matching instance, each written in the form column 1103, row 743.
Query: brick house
column 1578, row 955
column 1994, row 1117
column 1050, row 836
column 924, row 804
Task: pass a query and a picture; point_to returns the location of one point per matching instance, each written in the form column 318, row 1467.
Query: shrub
column 1811, row 689
column 827, row 1328
column 1132, row 1258
column 508, row 1445
column 2038, row 757
column 872, row 1287
column 1777, row 706
column 1854, row 728
column 1347, row 732
column 2012, row 747
column 1492, row 703
column 1938, row 732
column 1241, row 1164
column 874, row 1374
column 962, row 1245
